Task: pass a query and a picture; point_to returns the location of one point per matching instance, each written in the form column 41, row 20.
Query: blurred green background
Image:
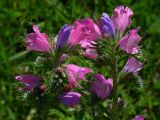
column 17, row 17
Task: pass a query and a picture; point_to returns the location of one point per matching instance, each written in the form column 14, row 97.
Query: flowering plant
column 110, row 61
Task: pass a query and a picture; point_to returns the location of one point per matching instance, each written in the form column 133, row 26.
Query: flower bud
column 59, row 70
column 106, row 26
column 42, row 88
column 63, row 36
column 68, row 87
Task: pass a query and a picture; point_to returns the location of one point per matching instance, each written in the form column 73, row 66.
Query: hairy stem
column 115, row 114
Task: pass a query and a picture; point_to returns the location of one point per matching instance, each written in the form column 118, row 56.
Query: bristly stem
column 115, row 113
column 115, row 93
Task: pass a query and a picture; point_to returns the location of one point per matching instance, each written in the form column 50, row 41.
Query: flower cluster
column 86, row 33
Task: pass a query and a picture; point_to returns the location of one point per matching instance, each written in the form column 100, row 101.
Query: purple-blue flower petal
column 106, row 26
column 30, row 81
column 70, row 98
column 63, row 36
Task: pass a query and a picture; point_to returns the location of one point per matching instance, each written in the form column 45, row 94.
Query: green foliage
column 16, row 18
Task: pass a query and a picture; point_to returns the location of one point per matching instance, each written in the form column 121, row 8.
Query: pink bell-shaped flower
column 132, row 65
column 38, row 41
column 102, row 87
column 122, row 18
column 75, row 73
column 82, row 30
column 129, row 43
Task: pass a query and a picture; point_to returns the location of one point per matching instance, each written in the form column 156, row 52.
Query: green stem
column 115, row 114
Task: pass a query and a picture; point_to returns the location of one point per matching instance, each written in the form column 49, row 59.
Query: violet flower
column 132, row 65
column 75, row 73
column 102, row 87
column 106, row 26
column 129, row 43
column 38, row 41
column 70, row 98
column 122, row 18
column 63, row 36
column 139, row 117
column 30, row 81
column 82, row 30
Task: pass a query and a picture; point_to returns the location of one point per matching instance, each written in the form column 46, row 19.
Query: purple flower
column 70, row 98
column 63, row 36
column 132, row 65
column 102, row 87
column 38, row 41
column 129, row 43
column 75, row 73
column 122, row 18
column 30, row 81
column 106, row 26
column 82, row 30
column 139, row 117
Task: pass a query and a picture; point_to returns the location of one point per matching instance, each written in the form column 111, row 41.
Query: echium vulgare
column 87, row 66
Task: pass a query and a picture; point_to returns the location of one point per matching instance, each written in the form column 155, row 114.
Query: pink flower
column 132, row 65
column 102, row 86
column 75, row 73
column 88, row 44
column 139, row 117
column 30, row 81
column 90, row 51
column 122, row 18
column 129, row 43
column 63, row 57
column 82, row 30
column 70, row 98
column 38, row 41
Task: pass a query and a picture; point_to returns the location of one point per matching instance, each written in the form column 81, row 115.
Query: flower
column 90, row 53
column 132, row 65
column 63, row 36
column 70, row 98
column 122, row 18
column 38, row 41
column 30, row 81
column 90, row 49
column 139, row 117
column 102, row 87
column 84, row 29
column 106, row 26
column 75, row 73
column 129, row 43
column 63, row 57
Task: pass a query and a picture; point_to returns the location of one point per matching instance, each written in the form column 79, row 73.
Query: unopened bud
column 59, row 70
column 42, row 88
column 68, row 87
